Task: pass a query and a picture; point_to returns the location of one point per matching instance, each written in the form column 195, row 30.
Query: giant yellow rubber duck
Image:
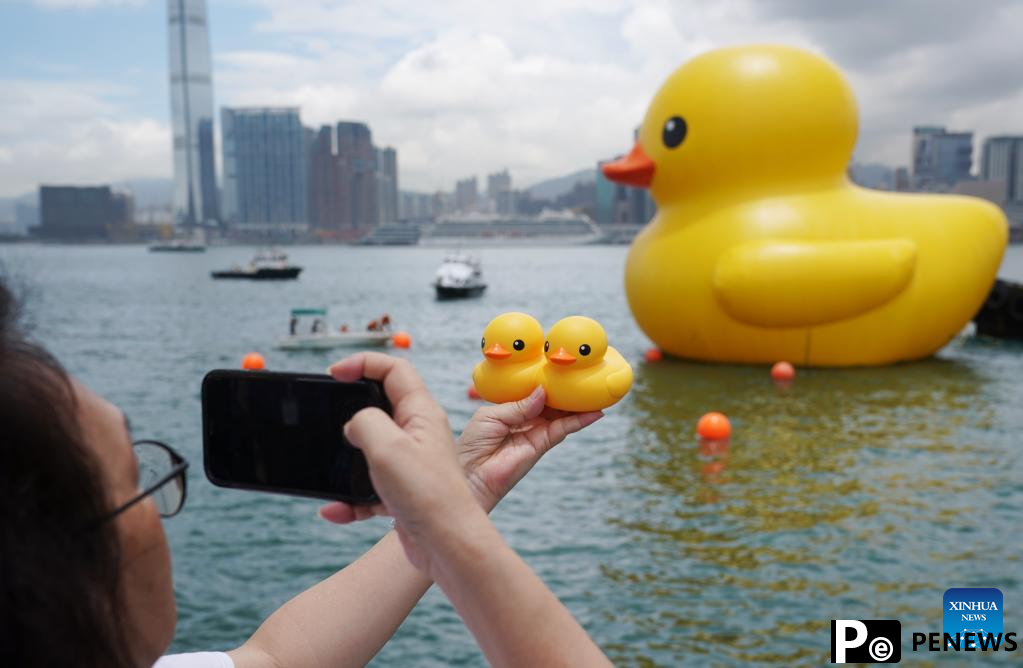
column 583, row 373
column 762, row 249
column 513, row 347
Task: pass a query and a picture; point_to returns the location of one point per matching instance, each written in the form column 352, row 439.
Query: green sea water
column 859, row 494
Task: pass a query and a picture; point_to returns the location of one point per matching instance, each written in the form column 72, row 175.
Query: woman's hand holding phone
column 499, row 445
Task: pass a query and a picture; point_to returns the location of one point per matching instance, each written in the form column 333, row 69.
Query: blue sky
column 461, row 87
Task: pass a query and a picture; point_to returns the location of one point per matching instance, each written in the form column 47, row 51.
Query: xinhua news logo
column 866, row 641
column 972, row 612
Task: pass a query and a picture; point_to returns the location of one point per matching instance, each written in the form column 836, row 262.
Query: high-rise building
column 499, row 192
column 354, row 186
column 69, row 213
column 940, row 158
column 357, row 176
column 191, row 93
column 322, row 179
column 466, row 195
column 265, row 168
column 616, row 203
column 1002, row 160
column 387, row 185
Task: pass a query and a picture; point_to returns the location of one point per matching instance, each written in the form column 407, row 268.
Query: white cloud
column 86, row 4
column 547, row 86
column 75, row 133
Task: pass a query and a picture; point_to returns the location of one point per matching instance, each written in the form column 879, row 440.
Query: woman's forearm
column 514, row 617
column 345, row 619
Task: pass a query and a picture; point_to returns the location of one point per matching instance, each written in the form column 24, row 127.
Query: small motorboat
column 177, row 246
column 459, row 276
column 321, row 337
column 269, row 265
column 196, row 243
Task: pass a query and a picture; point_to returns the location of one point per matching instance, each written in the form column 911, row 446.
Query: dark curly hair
column 60, row 599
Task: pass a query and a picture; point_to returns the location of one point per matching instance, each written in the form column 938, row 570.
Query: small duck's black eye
column 518, row 344
column 584, row 350
column 546, row 346
column 483, row 342
column 674, row 131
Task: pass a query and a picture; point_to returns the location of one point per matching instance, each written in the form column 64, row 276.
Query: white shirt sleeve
column 195, row 660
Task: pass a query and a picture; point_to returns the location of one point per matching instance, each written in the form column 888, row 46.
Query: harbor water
column 857, row 494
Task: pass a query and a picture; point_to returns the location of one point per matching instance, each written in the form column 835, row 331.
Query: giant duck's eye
column 674, row 131
column 584, row 350
column 483, row 342
column 518, row 344
column 546, row 346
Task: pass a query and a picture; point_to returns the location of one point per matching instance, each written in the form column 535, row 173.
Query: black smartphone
column 282, row 432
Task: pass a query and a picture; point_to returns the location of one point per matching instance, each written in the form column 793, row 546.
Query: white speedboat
column 321, row 337
column 458, row 277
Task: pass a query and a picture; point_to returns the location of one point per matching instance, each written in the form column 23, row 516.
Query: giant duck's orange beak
column 635, row 169
column 497, row 352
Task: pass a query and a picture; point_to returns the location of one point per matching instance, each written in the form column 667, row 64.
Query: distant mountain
column 554, row 188
column 149, row 192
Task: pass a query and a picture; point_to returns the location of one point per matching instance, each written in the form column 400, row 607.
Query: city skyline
column 542, row 89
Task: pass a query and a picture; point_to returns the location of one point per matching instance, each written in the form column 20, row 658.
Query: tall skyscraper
column 1003, row 161
column 357, row 176
column 387, row 185
column 191, row 88
column 265, row 168
column 941, row 158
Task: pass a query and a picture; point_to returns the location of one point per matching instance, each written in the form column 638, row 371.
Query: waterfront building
column 387, row 185
column 90, row 213
column 902, row 180
column 618, row 204
column 357, row 176
column 467, row 195
column 940, row 158
column 265, row 169
column 416, row 206
column 1002, row 160
column 500, row 196
column 322, row 177
column 191, row 94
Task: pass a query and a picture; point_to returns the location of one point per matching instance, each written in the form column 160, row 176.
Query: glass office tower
column 191, row 88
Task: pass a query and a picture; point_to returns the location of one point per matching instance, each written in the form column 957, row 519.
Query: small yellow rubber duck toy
column 583, row 373
column 513, row 347
column 763, row 250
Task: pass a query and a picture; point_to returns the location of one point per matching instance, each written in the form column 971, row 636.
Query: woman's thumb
column 375, row 433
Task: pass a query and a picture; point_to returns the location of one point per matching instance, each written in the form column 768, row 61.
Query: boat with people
column 266, row 265
column 458, row 277
column 320, row 336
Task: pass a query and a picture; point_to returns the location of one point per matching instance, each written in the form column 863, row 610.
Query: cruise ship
column 485, row 229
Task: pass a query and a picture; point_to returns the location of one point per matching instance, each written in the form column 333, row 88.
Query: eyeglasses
column 161, row 475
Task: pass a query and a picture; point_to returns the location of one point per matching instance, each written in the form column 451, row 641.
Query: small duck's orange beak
column 561, row 357
column 635, row 169
column 497, row 352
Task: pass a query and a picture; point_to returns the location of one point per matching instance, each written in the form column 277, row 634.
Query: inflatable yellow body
column 762, row 249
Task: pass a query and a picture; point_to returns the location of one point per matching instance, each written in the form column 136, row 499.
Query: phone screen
column 282, row 432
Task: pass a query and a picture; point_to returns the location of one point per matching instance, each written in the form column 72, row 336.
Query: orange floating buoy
column 714, row 426
column 473, row 393
column 653, row 355
column 401, row 340
column 253, row 362
column 783, row 371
